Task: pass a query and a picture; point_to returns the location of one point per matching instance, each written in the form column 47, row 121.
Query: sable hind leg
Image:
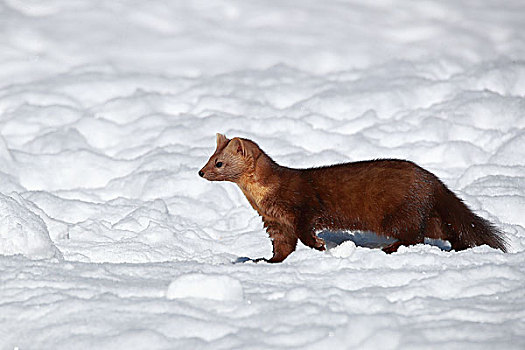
column 392, row 248
column 456, row 245
column 436, row 229
column 407, row 232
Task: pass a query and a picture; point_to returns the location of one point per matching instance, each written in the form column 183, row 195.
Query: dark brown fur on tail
column 394, row 198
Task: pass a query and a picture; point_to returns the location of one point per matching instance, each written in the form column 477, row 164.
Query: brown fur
column 394, row 198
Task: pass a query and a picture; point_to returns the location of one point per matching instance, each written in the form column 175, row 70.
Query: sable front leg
column 283, row 245
column 284, row 242
column 307, row 235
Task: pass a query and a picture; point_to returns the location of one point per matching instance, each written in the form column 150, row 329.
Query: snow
column 109, row 238
column 198, row 285
column 23, row 232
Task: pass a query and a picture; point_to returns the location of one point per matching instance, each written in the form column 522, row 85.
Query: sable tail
column 463, row 228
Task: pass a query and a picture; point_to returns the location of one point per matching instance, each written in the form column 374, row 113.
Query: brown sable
column 391, row 197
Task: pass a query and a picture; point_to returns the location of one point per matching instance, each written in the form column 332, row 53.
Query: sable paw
column 319, row 244
column 274, row 260
column 313, row 241
column 392, row 248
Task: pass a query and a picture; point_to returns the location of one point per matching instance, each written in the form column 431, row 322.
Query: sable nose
column 201, row 173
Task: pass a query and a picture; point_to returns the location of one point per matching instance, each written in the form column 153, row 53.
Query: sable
column 391, row 197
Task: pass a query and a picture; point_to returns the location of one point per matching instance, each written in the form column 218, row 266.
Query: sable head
column 231, row 160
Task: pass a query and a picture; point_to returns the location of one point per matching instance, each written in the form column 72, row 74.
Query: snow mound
column 206, row 286
column 24, row 232
column 344, row 250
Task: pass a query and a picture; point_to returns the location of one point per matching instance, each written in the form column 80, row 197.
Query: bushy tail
column 463, row 228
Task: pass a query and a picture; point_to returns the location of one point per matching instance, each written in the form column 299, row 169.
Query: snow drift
column 23, row 232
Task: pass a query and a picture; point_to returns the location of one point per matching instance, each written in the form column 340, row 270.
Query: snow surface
column 109, row 239
column 198, row 285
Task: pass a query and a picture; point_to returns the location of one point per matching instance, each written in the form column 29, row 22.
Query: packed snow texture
column 109, row 238
column 198, row 285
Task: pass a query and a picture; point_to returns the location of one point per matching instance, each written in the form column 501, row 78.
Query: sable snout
column 205, row 174
column 210, row 174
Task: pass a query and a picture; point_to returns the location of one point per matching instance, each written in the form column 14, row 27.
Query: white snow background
column 110, row 240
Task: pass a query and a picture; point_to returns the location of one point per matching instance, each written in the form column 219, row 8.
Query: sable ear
column 239, row 146
column 221, row 140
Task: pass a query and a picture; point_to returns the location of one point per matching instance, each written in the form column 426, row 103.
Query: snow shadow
column 366, row 239
column 369, row 239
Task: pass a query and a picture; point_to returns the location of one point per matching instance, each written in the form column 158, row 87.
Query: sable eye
column 218, row 164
